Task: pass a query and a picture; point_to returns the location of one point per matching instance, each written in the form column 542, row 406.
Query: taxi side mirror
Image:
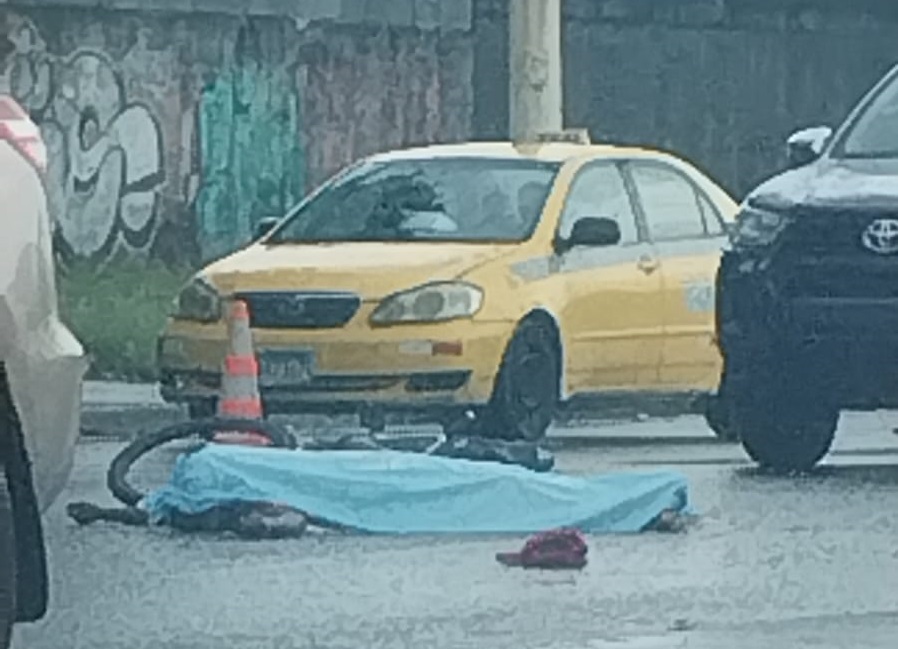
column 592, row 231
column 265, row 225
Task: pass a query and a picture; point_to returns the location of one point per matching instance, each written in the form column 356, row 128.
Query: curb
column 116, row 410
column 574, row 442
column 126, row 422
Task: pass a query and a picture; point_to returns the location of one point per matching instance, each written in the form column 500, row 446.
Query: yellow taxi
column 487, row 280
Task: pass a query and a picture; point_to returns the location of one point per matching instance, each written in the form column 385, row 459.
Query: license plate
column 284, row 368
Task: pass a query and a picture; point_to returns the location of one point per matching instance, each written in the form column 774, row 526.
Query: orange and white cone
column 240, row 398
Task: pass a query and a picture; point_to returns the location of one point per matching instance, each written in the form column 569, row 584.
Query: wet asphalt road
column 773, row 562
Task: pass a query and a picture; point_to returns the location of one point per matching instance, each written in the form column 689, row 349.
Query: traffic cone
column 240, row 398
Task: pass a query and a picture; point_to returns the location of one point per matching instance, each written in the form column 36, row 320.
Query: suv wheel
column 785, row 420
column 720, row 418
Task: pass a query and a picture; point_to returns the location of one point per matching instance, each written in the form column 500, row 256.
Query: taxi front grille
column 300, row 310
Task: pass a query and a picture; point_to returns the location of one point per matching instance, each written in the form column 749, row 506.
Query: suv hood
column 829, row 183
column 373, row 270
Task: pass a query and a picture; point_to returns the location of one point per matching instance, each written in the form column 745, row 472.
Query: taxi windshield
column 469, row 199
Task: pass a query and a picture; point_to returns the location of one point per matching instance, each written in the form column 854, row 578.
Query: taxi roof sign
column 567, row 136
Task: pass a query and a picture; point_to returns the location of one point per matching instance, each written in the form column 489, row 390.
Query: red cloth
column 552, row 550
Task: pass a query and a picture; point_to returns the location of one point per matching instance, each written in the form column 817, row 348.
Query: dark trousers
column 30, row 556
column 7, row 566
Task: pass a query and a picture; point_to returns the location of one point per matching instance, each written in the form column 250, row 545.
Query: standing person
column 41, row 368
column 7, row 534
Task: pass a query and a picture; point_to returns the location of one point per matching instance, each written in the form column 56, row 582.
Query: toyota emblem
column 881, row 236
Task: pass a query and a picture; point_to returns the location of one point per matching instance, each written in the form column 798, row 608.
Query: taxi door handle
column 647, row 264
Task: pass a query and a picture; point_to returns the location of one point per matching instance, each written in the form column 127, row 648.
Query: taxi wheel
column 527, row 389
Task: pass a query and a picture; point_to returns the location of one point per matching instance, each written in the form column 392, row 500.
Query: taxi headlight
column 434, row 302
column 198, row 301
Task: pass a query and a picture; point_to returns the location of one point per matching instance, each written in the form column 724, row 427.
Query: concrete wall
column 174, row 125
column 173, row 129
column 721, row 81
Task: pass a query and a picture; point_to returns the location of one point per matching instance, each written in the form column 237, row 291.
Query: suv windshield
column 874, row 133
column 444, row 199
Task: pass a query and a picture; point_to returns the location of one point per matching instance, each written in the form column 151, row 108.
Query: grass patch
column 117, row 313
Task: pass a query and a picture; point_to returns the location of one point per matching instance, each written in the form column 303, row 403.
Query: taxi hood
column 373, row 270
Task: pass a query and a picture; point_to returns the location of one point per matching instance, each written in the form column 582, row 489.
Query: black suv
column 807, row 291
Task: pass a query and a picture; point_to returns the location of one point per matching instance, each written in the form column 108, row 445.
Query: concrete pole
column 535, row 67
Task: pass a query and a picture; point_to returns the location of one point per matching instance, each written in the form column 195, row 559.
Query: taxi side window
column 713, row 221
column 599, row 190
column 669, row 202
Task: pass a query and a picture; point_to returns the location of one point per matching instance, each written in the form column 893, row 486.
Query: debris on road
column 461, row 447
column 682, row 624
column 256, row 521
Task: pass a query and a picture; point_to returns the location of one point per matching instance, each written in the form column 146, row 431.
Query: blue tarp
column 400, row 493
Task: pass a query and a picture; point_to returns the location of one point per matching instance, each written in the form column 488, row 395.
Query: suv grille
column 822, row 256
column 300, row 310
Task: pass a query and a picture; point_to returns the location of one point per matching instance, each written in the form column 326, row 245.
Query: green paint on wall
column 252, row 164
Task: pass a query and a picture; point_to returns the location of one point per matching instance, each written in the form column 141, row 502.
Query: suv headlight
column 434, row 302
column 198, row 301
column 756, row 227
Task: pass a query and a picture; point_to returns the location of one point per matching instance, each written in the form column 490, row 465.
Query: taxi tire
column 532, row 356
column 785, row 419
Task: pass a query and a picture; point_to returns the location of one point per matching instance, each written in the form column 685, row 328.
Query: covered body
column 409, row 493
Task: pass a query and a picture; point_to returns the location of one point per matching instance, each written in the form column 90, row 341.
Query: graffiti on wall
column 251, row 161
column 105, row 152
column 172, row 139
